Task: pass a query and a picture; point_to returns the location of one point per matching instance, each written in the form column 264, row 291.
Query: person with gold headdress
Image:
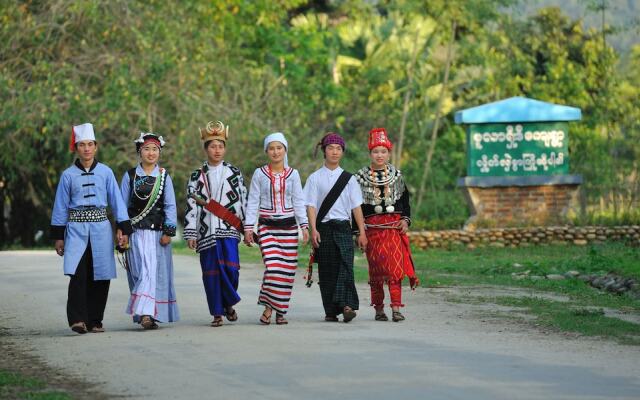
column 82, row 232
column 387, row 216
column 213, row 222
column 151, row 200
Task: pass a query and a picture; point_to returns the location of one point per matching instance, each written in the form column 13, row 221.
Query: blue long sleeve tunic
column 79, row 189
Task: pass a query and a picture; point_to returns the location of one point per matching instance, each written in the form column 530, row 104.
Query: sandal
column 155, row 325
column 79, row 327
column 381, row 317
column 331, row 318
column 264, row 318
column 397, row 316
column 146, row 321
column 217, row 321
column 281, row 320
column 348, row 314
column 231, row 315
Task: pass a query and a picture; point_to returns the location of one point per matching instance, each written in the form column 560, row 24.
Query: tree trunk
column 397, row 155
column 436, row 123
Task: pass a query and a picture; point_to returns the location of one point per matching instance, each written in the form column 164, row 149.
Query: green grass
column 15, row 385
column 572, row 317
column 494, row 266
column 489, row 262
column 13, row 379
column 46, row 396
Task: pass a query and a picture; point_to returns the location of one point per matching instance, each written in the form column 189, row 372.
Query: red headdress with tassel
column 378, row 137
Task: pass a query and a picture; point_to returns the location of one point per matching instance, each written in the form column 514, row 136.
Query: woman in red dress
column 387, row 217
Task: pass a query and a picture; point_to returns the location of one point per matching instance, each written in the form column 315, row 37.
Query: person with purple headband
column 331, row 196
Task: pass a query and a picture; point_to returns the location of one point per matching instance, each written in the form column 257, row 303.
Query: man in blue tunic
column 83, row 234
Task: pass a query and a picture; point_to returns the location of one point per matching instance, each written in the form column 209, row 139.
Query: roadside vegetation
column 19, row 386
column 578, row 307
column 305, row 68
column 16, row 385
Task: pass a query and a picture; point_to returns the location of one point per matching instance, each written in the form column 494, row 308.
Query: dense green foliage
column 622, row 17
column 303, row 68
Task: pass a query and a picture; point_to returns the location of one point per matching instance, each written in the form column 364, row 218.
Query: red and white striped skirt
column 279, row 247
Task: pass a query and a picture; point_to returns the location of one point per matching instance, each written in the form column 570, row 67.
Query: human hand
column 248, row 237
column 165, row 240
column 305, row 235
column 124, row 241
column 119, row 237
column 191, row 243
column 59, row 246
column 362, row 241
column 315, row 238
column 403, row 225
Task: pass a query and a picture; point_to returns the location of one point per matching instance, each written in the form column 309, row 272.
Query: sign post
column 518, row 162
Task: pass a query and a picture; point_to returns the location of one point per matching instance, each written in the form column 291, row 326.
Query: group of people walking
column 277, row 214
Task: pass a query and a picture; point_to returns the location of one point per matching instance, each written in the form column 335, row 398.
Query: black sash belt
column 88, row 215
column 291, row 221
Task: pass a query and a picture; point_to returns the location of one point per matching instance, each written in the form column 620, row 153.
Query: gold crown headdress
column 215, row 130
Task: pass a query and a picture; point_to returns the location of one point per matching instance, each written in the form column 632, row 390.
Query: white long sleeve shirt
column 275, row 196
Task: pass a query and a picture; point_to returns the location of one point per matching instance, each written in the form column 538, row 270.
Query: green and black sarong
column 335, row 267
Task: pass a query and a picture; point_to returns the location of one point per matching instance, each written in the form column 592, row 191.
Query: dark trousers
column 87, row 297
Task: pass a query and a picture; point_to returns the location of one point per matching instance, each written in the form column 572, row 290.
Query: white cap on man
column 80, row 133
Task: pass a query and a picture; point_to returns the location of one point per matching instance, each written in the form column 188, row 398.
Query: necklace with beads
column 142, row 181
column 136, row 185
column 380, row 195
column 155, row 194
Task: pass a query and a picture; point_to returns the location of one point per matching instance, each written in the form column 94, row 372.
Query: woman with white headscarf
column 276, row 206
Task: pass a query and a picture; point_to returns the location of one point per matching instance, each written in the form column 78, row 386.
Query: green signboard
column 517, row 149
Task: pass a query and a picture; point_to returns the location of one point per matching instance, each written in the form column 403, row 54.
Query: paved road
column 440, row 352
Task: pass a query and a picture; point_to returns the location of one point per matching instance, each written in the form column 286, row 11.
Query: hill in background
column 621, row 15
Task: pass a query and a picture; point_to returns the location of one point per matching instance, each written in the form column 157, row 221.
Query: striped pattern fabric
column 279, row 247
column 220, row 275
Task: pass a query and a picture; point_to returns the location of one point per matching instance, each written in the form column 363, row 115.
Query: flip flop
column 397, row 316
column 331, row 318
column 217, row 321
column 381, row 317
column 280, row 319
column 79, row 327
column 232, row 316
column 146, row 321
column 348, row 314
column 266, row 319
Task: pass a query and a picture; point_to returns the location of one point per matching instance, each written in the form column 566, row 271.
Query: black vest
column 143, row 186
